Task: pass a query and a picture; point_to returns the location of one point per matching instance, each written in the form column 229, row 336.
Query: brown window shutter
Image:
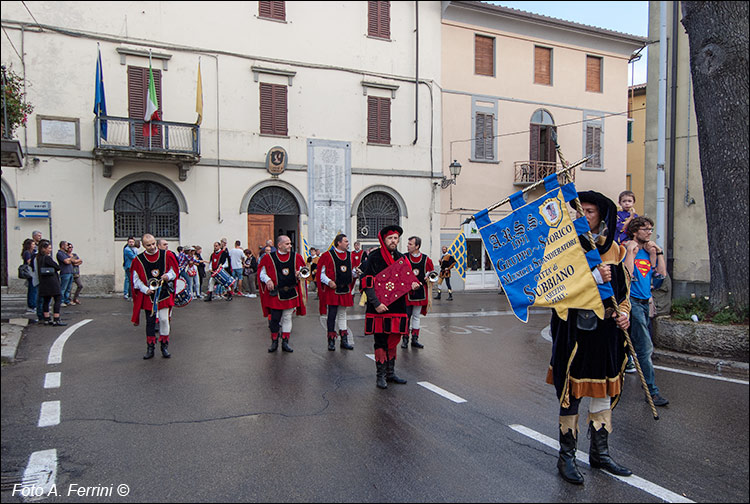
column 593, row 146
column 551, row 151
column 266, row 109
column 378, row 120
column 372, row 19
column 489, row 136
column 280, row 110
column 479, row 133
column 535, row 131
column 593, row 74
column 542, row 65
column 272, row 10
column 372, row 119
column 264, row 9
column 379, row 19
column 385, row 120
column 484, row 55
column 137, row 97
column 385, row 24
column 279, row 11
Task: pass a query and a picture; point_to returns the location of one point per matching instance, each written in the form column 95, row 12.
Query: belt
column 639, row 301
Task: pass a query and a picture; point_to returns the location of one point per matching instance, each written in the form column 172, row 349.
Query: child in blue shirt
column 625, row 215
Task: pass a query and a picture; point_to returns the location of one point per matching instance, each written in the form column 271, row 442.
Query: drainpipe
column 416, row 77
column 672, row 142
column 662, row 115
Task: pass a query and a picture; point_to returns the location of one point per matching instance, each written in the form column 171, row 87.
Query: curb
column 11, row 334
column 709, row 365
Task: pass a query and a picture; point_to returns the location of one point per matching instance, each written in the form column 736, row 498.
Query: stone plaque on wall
column 329, row 183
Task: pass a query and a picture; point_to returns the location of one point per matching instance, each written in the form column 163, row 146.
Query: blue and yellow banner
column 459, row 253
column 537, row 255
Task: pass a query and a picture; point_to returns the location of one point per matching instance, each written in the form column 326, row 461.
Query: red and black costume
column 144, row 268
column 287, row 296
column 337, row 266
column 389, row 326
column 421, row 265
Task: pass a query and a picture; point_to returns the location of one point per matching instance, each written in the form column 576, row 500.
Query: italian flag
column 152, row 106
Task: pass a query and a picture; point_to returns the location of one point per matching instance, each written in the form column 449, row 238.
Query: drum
column 224, row 279
column 181, row 295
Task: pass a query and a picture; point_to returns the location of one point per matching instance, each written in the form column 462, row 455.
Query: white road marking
column 49, row 414
column 634, row 481
column 55, row 353
column 370, row 355
column 40, row 472
column 52, row 380
column 703, row 375
column 442, row 392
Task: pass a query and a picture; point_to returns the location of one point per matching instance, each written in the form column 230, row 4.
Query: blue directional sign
column 34, row 209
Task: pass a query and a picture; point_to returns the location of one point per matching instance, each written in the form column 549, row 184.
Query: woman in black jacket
column 49, row 282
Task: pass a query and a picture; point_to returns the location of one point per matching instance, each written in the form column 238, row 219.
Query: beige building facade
column 510, row 79
column 344, row 97
column 687, row 242
column 637, row 144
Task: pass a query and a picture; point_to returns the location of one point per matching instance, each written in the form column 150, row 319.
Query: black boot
column 331, row 341
column 438, row 295
column 58, row 322
column 149, row 351
column 344, row 335
column 405, row 342
column 415, row 341
column 285, row 345
column 209, row 297
column 164, row 352
column 599, row 450
column 274, row 346
column 381, row 370
column 566, row 460
column 450, row 296
column 390, row 375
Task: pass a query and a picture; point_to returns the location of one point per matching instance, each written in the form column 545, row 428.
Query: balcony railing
column 125, row 134
column 528, row 172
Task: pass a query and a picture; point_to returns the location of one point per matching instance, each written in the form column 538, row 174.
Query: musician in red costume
column 386, row 323
column 336, row 277
column 152, row 266
column 417, row 301
column 281, row 292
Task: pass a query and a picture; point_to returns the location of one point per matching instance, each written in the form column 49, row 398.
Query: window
column 376, row 211
column 484, row 137
column 273, row 201
column 594, row 146
column 630, row 130
column 378, row 120
column 273, row 109
column 146, row 207
column 484, row 55
column 137, row 99
column 379, row 19
column 272, row 10
column 593, row 74
column 542, row 65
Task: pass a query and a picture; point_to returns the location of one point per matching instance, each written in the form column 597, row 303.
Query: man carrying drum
column 151, row 271
column 281, row 291
column 218, row 263
column 418, row 300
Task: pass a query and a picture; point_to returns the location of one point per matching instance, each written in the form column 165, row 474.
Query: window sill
column 485, row 161
column 377, row 144
column 282, row 21
column 591, row 168
column 379, row 38
column 273, row 135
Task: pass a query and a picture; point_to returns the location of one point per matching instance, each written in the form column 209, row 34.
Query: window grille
column 273, row 201
column 146, row 207
column 376, row 211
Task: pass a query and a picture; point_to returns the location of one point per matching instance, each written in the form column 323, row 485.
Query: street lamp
column 455, row 169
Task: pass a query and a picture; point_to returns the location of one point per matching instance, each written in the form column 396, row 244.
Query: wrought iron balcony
column 172, row 142
column 528, row 172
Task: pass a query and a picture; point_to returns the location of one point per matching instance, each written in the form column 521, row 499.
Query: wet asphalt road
column 224, row 420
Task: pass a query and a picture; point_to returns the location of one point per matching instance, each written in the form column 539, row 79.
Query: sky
column 625, row 17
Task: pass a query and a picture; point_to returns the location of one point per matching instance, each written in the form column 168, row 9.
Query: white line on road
column 55, row 353
column 52, row 380
column 442, row 392
column 370, row 356
column 40, row 472
column 634, row 481
column 49, row 414
column 703, row 375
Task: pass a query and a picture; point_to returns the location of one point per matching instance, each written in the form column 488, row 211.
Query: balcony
column 529, row 172
column 176, row 143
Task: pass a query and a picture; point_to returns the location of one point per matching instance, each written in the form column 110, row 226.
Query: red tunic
column 357, row 257
column 142, row 301
column 327, row 295
column 269, row 302
column 421, row 276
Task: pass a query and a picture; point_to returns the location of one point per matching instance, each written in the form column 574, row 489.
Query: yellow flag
column 199, row 97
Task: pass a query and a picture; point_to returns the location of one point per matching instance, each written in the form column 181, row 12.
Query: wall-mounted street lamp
column 455, row 169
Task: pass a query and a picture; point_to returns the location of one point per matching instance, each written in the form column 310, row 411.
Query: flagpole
column 148, row 96
column 96, row 92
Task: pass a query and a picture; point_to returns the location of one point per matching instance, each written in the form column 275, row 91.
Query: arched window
column 146, row 207
column 541, row 116
column 273, row 201
column 376, row 211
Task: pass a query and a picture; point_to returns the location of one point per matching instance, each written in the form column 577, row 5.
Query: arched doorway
column 272, row 211
column 146, row 207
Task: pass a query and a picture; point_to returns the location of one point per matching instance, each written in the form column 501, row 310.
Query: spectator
column 192, row 273
column 49, row 283
column 76, row 262
column 28, row 251
column 201, row 264
column 647, row 267
column 66, row 272
column 236, row 260
column 182, row 263
column 249, row 269
column 624, row 216
column 37, row 237
column 129, row 252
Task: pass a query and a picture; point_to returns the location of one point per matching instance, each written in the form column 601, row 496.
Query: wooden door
column 259, row 229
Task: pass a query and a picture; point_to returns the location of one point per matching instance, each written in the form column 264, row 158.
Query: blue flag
column 100, row 102
column 458, row 251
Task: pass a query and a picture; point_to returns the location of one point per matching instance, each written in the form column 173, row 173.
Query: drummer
column 219, row 260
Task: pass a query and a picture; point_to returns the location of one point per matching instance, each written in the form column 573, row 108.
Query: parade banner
column 537, row 255
column 458, row 251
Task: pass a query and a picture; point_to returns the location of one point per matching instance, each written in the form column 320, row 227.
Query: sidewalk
column 11, row 333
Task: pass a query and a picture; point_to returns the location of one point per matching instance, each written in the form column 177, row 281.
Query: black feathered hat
column 607, row 213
